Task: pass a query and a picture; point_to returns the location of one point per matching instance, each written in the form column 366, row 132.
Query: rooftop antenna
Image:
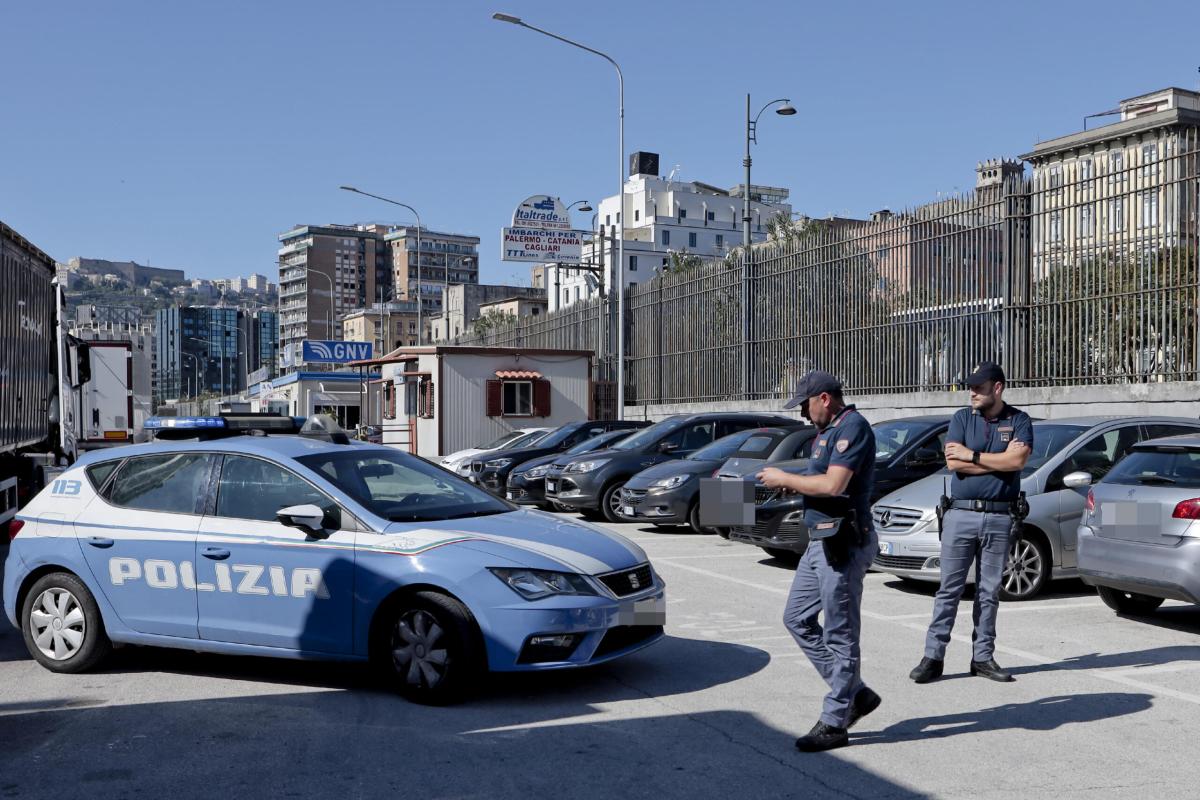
column 671, row 177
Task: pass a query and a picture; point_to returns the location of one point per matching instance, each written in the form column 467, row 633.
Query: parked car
column 453, row 461
column 669, row 493
column 1139, row 543
column 527, row 483
column 462, row 465
column 491, row 470
column 906, row 450
column 1046, row 549
column 316, row 549
column 592, row 483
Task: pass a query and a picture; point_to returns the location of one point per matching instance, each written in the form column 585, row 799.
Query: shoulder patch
column 842, row 445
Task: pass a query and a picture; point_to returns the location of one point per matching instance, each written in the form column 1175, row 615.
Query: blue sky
column 189, row 135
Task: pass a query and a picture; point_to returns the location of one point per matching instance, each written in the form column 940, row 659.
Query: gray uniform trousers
column 834, row 650
column 970, row 537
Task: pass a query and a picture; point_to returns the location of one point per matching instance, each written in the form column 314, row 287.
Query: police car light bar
column 184, row 423
column 226, row 425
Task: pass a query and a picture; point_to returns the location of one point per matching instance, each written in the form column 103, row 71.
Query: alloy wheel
column 58, row 624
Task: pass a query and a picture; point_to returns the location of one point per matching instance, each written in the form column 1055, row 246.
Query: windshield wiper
column 1161, row 480
column 466, row 514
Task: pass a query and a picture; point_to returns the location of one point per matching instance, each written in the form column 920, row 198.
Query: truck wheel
column 62, row 626
column 430, row 645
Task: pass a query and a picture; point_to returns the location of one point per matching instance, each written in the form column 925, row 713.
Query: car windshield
column 760, row 445
column 1048, row 441
column 596, row 442
column 496, row 443
column 723, row 448
column 895, row 434
column 555, row 437
column 1173, row 467
column 526, row 440
column 647, row 435
column 400, row 487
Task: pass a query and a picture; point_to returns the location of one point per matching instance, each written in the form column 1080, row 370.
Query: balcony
column 295, row 247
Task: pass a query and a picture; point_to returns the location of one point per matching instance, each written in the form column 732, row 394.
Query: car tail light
column 1188, row 509
column 1091, row 501
column 14, row 527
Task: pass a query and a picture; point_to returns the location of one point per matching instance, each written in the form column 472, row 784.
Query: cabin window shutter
column 495, row 398
column 541, row 398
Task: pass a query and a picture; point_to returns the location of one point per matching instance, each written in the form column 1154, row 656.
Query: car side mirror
column 924, row 457
column 317, row 522
column 668, row 447
column 1077, row 480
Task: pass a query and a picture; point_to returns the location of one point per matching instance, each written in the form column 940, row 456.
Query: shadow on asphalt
column 1045, row 714
column 1057, row 590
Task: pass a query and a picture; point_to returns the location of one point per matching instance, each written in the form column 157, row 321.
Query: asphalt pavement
column 1103, row 706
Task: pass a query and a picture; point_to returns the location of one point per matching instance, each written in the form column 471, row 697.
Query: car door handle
column 215, row 553
column 98, row 541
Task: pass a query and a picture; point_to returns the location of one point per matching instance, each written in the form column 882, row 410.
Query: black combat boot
column 822, row 737
column 930, row 669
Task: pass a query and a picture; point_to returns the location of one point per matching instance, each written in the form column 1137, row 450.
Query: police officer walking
column 986, row 449
column 842, row 544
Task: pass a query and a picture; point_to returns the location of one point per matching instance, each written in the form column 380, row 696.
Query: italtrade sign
column 541, row 232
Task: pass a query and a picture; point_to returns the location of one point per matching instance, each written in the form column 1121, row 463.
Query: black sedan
column 669, row 493
column 527, row 483
column 491, row 470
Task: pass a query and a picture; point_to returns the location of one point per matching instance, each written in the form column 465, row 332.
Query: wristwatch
column 975, row 457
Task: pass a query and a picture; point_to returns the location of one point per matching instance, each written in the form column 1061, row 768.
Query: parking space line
column 1111, row 677
column 715, row 555
column 1006, row 608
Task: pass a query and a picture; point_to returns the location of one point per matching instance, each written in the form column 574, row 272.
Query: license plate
column 651, row 611
column 885, row 548
column 627, row 510
column 551, row 486
column 512, row 495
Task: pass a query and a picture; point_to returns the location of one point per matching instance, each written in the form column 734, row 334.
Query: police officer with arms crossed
column 842, row 544
column 986, row 449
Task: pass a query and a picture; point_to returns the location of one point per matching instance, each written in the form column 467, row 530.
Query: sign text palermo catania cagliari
column 541, row 232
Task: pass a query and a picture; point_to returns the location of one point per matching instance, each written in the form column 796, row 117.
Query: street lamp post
column 620, row 198
column 420, row 301
column 785, row 110
column 329, row 317
column 210, row 343
column 196, row 367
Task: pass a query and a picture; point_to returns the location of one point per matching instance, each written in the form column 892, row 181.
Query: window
column 1149, row 160
column 691, row 239
column 1116, row 166
column 712, row 216
column 720, row 240
column 176, row 483
column 1085, row 171
column 535, row 311
column 1181, row 468
column 425, row 399
column 1087, row 225
column 98, row 473
column 633, row 263
column 518, row 398
column 566, row 297
column 1056, row 176
column 1116, row 215
column 682, row 214
column 577, row 294
column 1096, row 457
column 1149, row 209
column 1056, row 226
column 1160, row 430
column 666, row 238
column 400, row 487
column 608, row 219
column 637, row 214
column 251, row 488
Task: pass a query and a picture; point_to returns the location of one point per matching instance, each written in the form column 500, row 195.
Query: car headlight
column 586, row 466
column 498, row 462
column 533, row 584
column 536, row 472
column 670, row 483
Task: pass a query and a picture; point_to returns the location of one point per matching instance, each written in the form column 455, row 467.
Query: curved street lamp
column 509, row 18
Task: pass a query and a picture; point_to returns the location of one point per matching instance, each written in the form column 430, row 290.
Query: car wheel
column 786, row 556
column 610, row 502
column 62, row 625
column 694, row 520
column 1027, row 568
column 429, row 643
column 1128, row 602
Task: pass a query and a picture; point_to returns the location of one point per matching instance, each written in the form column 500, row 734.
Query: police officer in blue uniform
column 842, row 544
column 986, row 449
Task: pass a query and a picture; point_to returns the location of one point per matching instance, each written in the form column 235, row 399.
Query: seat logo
column 634, row 582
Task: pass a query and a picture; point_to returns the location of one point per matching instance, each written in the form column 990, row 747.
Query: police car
column 242, row 535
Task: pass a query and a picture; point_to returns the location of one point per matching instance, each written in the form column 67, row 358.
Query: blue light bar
column 184, row 423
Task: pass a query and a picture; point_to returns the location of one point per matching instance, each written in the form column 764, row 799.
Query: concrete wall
column 1181, row 399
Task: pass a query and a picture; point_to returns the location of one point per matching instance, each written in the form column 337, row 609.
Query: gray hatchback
column 1139, row 540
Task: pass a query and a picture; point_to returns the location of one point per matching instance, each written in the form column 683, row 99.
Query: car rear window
column 758, row 446
column 1159, row 467
column 98, row 473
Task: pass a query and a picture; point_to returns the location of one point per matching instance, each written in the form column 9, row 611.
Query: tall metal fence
column 1084, row 273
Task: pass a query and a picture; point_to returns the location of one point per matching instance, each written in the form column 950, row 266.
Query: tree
column 493, row 321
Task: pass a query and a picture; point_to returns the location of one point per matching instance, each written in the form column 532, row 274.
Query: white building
column 436, row 400
column 661, row 217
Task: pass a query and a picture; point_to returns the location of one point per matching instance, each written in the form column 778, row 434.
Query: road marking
column 714, row 555
column 1111, row 677
column 1005, row 608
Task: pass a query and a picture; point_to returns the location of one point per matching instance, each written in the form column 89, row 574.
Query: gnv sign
column 318, row 352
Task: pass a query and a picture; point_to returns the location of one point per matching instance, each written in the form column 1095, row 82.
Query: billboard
column 542, row 246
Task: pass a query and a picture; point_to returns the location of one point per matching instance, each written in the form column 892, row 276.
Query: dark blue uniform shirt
column 970, row 428
column 847, row 442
